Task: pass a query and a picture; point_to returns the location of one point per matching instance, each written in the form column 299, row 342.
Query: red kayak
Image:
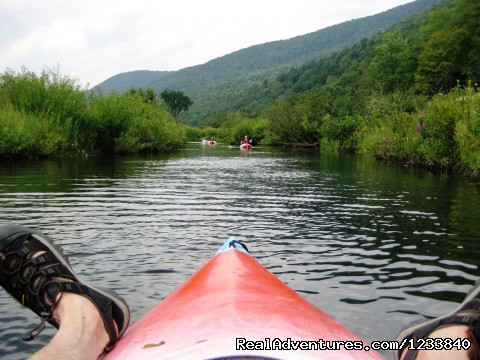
column 234, row 308
column 246, row 147
column 212, row 142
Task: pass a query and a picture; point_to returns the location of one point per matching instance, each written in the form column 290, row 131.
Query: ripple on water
column 356, row 238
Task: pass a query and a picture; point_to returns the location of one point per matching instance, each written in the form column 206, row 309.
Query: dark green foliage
column 389, row 96
column 176, row 101
column 390, row 65
column 242, row 80
column 254, row 128
column 344, row 131
column 136, row 79
column 147, row 95
column 467, row 132
column 470, row 18
column 110, row 116
column 438, row 69
column 437, row 131
column 377, row 95
column 298, row 120
column 441, row 133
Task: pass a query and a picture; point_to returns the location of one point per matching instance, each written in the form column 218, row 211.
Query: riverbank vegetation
column 51, row 115
column 409, row 94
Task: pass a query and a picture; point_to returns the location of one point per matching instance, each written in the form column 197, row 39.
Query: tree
column 390, row 62
column 147, row 95
column 176, row 101
column 440, row 62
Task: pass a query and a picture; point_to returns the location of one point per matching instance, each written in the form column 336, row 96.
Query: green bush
column 108, row 117
column 297, row 121
column 467, row 133
column 147, row 135
column 50, row 115
column 219, row 134
column 393, row 138
column 345, row 131
column 445, row 134
column 437, row 130
column 27, row 135
column 254, row 128
column 125, row 123
column 48, row 94
column 193, row 134
column 384, row 143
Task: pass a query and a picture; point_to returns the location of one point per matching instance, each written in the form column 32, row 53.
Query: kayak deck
column 233, row 306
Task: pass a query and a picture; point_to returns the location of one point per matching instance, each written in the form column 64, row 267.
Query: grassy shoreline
column 49, row 115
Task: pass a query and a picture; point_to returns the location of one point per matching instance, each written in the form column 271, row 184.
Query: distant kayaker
column 245, row 141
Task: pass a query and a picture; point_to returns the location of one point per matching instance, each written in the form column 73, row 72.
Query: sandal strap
column 101, row 302
column 470, row 318
column 37, row 282
column 26, row 281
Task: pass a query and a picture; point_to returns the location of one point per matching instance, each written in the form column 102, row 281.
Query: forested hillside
column 214, row 86
column 409, row 94
column 424, row 56
column 138, row 78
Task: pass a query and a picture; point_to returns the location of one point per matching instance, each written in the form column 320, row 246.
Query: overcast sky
column 93, row 40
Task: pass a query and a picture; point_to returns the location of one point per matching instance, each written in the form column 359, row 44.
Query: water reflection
column 374, row 245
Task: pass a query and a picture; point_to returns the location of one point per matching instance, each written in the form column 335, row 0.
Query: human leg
column 37, row 273
column 453, row 336
column 448, row 332
column 81, row 334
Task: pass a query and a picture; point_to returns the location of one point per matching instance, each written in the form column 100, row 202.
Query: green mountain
column 214, row 86
column 138, row 78
column 408, row 94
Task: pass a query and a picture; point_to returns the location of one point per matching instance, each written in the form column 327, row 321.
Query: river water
column 374, row 245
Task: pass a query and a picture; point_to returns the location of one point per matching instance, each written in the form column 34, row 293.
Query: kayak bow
column 233, row 307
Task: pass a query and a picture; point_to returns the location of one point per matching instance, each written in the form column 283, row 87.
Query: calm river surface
column 374, row 245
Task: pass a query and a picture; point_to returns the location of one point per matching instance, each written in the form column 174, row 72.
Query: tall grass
column 27, row 135
column 442, row 133
column 51, row 115
column 439, row 132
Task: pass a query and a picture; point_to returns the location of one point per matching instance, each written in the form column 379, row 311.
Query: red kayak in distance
column 212, row 142
column 234, row 308
column 246, row 147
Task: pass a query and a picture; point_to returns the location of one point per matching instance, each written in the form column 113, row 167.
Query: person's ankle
column 448, row 332
column 81, row 334
column 74, row 310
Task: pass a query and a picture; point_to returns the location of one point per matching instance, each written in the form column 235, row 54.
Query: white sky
column 93, row 40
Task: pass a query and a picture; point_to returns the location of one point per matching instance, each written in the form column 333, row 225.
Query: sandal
column 36, row 282
column 467, row 314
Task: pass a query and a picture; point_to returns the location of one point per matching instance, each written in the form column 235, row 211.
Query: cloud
column 93, row 40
